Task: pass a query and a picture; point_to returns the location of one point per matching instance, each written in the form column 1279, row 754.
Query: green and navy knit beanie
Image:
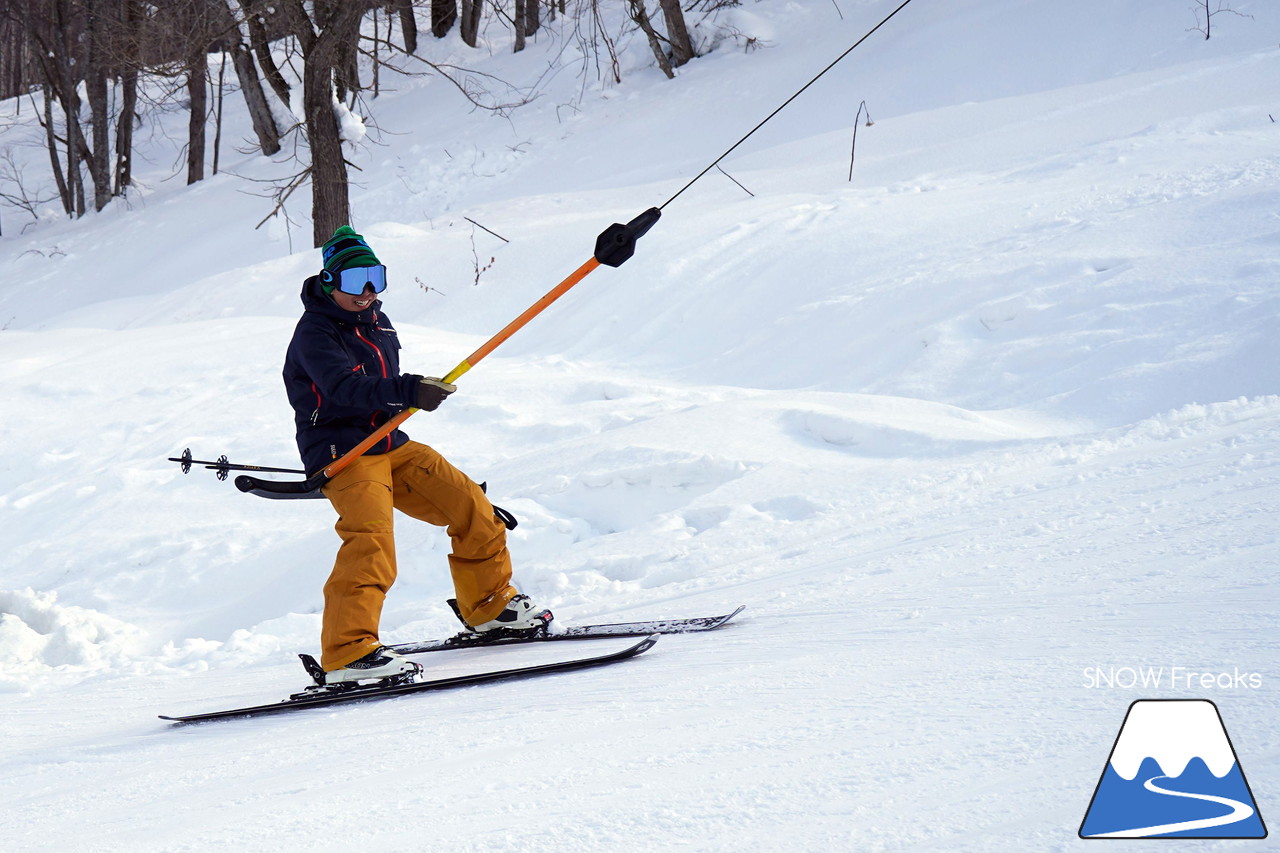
column 344, row 250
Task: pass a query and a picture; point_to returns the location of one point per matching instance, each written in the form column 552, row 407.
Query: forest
column 91, row 69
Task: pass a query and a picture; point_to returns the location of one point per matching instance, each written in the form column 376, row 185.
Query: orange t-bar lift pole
column 614, row 246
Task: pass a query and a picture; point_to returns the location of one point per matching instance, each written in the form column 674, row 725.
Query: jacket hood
column 315, row 299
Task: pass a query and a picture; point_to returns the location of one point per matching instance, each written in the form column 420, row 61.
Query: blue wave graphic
column 1121, row 805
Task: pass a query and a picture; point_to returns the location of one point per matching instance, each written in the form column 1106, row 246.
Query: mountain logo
column 1173, row 773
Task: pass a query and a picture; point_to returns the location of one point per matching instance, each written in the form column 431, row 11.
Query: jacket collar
column 314, row 299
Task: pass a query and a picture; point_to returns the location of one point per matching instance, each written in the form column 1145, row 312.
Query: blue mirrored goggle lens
column 354, row 280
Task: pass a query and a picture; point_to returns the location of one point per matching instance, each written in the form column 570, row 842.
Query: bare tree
column 444, row 14
column 1205, row 16
column 20, row 196
column 232, row 42
column 677, row 32
column 82, row 64
column 57, row 33
column 327, row 35
column 469, row 21
column 677, row 37
column 69, row 190
column 636, row 9
column 98, row 156
column 180, row 36
column 197, row 71
column 130, row 62
column 532, row 17
column 517, row 22
column 255, row 17
column 408, row 23
column 16, row 60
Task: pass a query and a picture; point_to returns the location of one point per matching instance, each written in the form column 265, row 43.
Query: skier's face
column 355, row 304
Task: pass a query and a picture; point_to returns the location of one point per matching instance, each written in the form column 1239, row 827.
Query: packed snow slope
column 977, row 437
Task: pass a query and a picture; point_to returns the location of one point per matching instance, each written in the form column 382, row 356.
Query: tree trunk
column 517, row 19
column 377, row 60
column 264, row 123
column 469, row 21
column 444, row 14
column 217, row 112
column 262, row 50
column 51, row 140
column 677, row 32
column 96, row 53
column 13, row 57
column 640, row 15
column 126, row 54
column 99, row 159
column 75, row 178
column 124, row 130
column 198, row 93
column 329, row 203
column 343, row 25
column 532, row 17
column 330, row 206
column 65, row 36
column 409, row 24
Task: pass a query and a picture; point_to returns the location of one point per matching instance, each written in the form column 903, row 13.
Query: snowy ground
column 996, row 416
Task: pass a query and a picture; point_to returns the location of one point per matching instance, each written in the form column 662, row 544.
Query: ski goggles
column 354, row 280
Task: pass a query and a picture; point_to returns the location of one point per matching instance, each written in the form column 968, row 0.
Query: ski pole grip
column 617, row 243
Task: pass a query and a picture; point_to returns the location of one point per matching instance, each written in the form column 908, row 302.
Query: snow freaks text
column 1171, row 677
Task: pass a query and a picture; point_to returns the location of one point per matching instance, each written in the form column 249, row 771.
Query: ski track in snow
column 1001, row 409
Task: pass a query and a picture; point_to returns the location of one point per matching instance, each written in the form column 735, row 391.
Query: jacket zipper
column 382, row 363
column 315, row 415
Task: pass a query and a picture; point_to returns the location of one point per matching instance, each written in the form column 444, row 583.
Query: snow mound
column 38, row 635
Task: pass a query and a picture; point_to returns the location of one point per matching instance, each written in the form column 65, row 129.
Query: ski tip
column 721, row 621
column 645, row 644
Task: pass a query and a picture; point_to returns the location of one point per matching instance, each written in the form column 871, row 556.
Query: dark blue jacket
column 342, row 374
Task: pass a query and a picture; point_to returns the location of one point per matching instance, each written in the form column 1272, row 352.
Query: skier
column 342, row 374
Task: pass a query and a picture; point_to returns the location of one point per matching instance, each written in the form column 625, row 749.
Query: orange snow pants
column 419, row 482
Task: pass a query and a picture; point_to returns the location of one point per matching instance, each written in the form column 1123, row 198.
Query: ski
column 470, row 639
column 320, row 698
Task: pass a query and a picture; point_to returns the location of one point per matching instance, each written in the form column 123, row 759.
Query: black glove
column 431, row 393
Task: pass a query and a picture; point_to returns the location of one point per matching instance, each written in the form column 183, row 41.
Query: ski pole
column 223, row 465
column 615, row 245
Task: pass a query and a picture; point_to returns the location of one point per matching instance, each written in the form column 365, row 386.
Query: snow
column 1001, row 409
column 351, row 127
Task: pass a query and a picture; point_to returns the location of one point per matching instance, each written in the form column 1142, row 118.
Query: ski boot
column 381, row 666
column 520, row 618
